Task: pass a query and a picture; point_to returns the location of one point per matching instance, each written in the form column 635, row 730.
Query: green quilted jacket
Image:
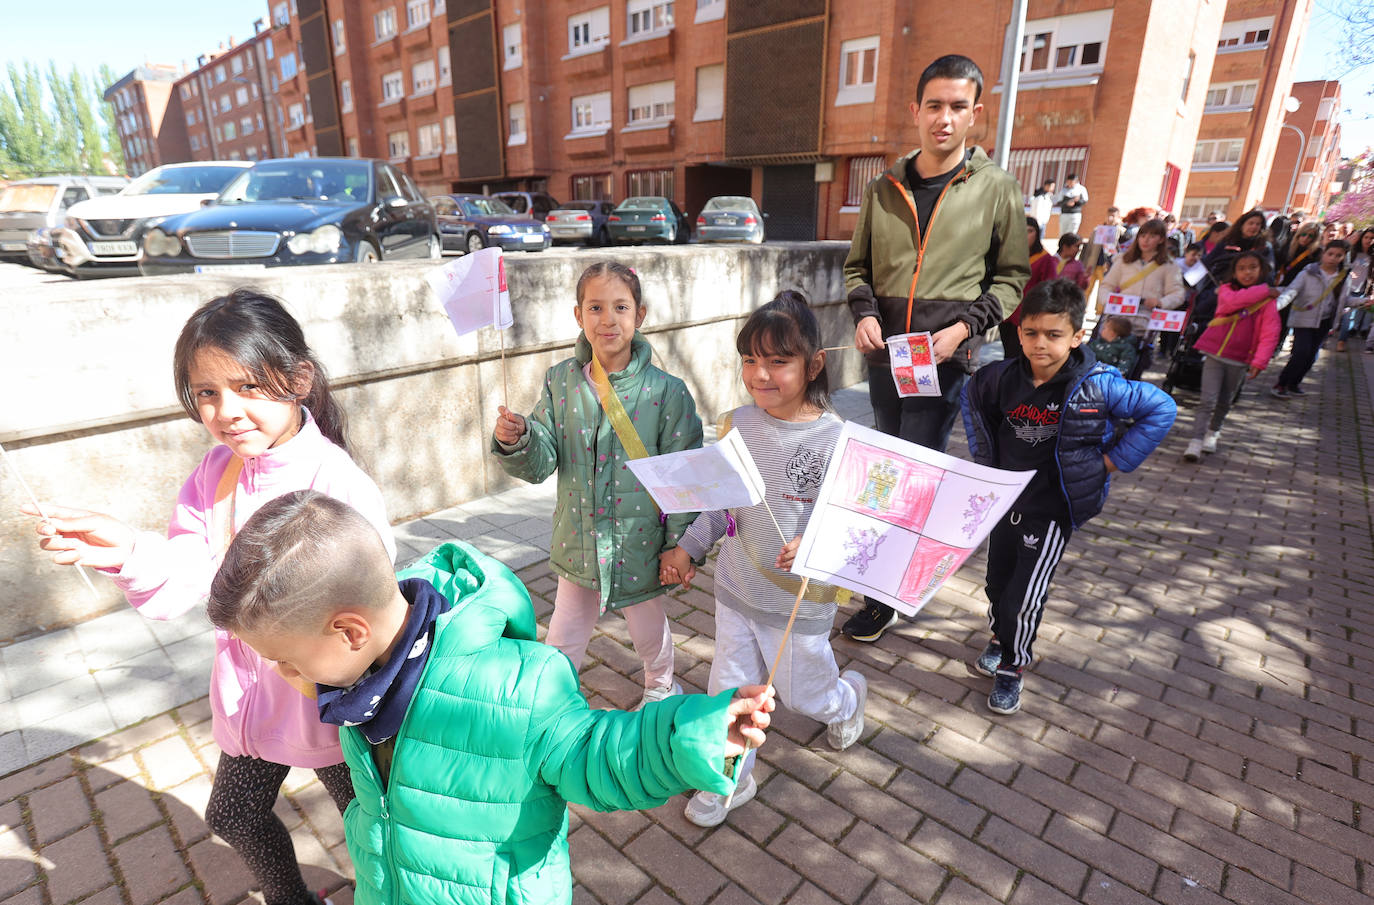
column 496, row 741
column 606, row 529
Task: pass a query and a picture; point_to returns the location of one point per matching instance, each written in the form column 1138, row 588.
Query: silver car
column 730, row 218
column 30, row 204
column 581, row 221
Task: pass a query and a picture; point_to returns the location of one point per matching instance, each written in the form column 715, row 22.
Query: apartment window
column 185, row 92
column 1168, row 186
column 591, row 112
column 862, row 171
column 710, row 93
column 241, row 97
column 1244, row 34
column 1218, row 154
column 249, row 59
column 339, row 45
column 252, row 153
column 195, row 142
column 592, row 187
column 589, row 30
column 1066, row 44
column 353, row 147
column 281, row 14
column 445, row 70
column 1032, row 166
column 225, row 104
column 710, row 10
column 259, row 122
column 1231, row 96
column 1198, row 208
column 649, row 182
column 236, row 65
column 230, row 132
column 288, row 66
column 517, row 124
column 417, row 13
column 345, row 96
column 393, row 87
column 296, row 116
column 384, row 23
column 268, row 49
column 1326, row 109
column 429, row 139
column 648, row 17
column 450, row 134
column 398, row 144
column 220, row 75
column 422, row 77
column 246, row 126
column 273, row 77
column 510, row 41
column 858, row 71
column 651, row 103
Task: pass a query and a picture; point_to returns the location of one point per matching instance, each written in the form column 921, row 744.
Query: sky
column 89, row 32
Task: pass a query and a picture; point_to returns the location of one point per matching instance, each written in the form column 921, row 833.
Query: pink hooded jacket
column 256, row 712
column 1248, row 338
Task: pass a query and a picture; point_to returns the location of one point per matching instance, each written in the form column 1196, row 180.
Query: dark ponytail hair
column 611, row 270
column 1249, row 253
column 256, row 332
column 787, row 326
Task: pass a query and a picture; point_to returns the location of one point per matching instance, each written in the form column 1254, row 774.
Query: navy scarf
column 377, row 703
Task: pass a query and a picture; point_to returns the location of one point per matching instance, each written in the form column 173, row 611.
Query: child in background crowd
column 466, row 738
column 790, row 433
column 243, row 370
column 1313, row 300
column 1114, row 345
column 602, row 407
column 1236, row 346
column 1066, row 264
column 1055, row 411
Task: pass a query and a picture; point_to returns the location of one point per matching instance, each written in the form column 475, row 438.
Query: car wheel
column 366, row 253
column 475, row 242
column 436, row 248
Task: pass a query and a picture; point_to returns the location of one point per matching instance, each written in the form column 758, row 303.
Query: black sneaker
column 869, row 623
column 1006, row 692
column 989, row 659
column 1296, row 391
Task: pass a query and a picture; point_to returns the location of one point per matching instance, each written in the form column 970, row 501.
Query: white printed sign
column 1193, row 275
column 1166, row 321
column 1106, row 237
column 722, row 476
column 894, row 520
column 473, row 290
column 913, row 364
column 1127, row 305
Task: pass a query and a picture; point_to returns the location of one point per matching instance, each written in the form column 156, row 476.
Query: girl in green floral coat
column 602, row 407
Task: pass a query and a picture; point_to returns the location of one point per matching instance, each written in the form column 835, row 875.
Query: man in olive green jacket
column 940, row 246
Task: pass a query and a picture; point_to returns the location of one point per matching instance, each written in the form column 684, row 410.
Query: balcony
column 423, row 102
column 647, row 50
column 587, row 64
column 579, row 145
column 642, row 138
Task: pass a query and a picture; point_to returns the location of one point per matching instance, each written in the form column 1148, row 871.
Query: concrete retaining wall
column 91, row 419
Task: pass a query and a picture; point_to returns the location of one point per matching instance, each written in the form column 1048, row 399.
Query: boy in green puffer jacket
column 465, row 737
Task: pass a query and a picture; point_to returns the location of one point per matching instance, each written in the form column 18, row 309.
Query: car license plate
column 115, row 248
column 211, row 268
column 534, row 238
column 725, row 221
column 12, row 246
column 569, row 231
column 636, row 229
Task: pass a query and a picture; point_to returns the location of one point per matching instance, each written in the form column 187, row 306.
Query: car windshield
column 516, row 203
column 485, row 207
column 304, row 180
column 579, row 206
column 642, row 204
column 207, row 180
column 29, row 198
column 729, row 203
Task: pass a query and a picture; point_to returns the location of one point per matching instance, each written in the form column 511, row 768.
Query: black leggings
column 240, row 813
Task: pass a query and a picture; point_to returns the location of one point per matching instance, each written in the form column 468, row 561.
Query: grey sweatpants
column 1220, row 382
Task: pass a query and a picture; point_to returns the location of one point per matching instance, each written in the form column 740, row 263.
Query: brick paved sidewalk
column 1196, row 730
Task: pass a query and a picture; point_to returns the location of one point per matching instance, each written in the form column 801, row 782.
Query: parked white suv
column 104, row 236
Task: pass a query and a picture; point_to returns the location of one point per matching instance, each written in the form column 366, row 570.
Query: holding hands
column 510, row 427
column 82, row 537
column 676, row 567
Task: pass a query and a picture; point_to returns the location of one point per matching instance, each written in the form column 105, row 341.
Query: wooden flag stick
column 505, row 381
column 95, row 595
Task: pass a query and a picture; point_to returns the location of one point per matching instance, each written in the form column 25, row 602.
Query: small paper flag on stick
column 474, row 294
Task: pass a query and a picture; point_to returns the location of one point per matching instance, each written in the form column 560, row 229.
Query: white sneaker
column 657, row 693
column 708, row 809
column 1194, row 451
column 843, row 733
column 1209, row 441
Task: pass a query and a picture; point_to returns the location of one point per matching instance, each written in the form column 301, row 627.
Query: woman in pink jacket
column 243, row 369
column 1236, row 346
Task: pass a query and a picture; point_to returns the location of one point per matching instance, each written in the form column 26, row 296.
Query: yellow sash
column 1144, row 272
column 615, row 412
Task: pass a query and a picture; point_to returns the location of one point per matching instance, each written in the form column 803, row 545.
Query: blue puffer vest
column 1097, row 400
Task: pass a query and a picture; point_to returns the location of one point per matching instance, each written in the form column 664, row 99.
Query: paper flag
column 473, row 290
column 1166, row 321
column 722, row 476
column 913, row 364
column 1117, row 303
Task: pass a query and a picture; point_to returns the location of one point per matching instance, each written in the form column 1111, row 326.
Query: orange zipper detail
column 920, row 239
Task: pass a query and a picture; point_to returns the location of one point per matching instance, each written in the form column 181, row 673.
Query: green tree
column 114, row 151
column 50, row 122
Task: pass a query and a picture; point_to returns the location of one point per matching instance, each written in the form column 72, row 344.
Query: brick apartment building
column 1314, row 131
column 148, row 135
column 226, row 104
column 1251, row 78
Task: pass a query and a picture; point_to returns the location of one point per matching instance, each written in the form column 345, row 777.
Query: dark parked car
column 648, row 217
column 536, row 204
column 309, row 210
column 472, row 222
column 29, row 204
column 581, row 221
column 730, row 218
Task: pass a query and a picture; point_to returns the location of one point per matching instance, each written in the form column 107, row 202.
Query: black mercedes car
column 309, row 210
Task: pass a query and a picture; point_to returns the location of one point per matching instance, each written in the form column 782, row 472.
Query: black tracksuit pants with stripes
column 1023, row 551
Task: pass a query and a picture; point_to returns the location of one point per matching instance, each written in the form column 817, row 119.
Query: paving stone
column 126, row 808
column 151, row 866
column 78, row 866
column 170, row 762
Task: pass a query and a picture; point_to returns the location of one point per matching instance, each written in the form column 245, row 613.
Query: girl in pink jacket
column 1236, row 346
column 243, row 369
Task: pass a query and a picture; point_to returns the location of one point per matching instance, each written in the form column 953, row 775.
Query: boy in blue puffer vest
column 1053, row 410
column 465, row 737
